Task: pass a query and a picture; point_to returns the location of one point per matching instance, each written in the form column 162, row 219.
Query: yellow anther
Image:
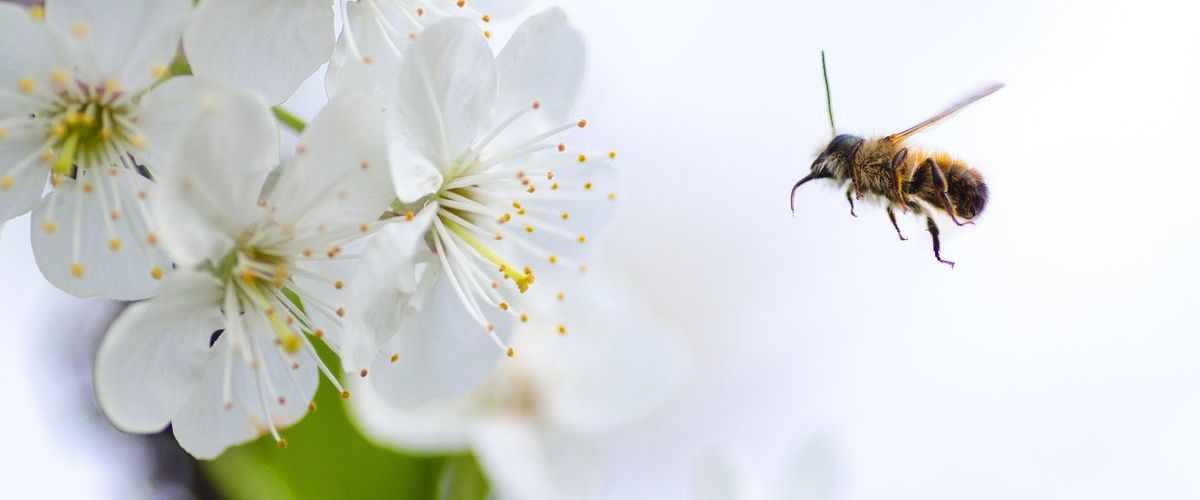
column 612, row 155
column 554, row 186
column 88, row 187
column 487, row 34
column 511, row 352
column 503, row 305
column 3, row 133
column 582, row 123
column 80, row 29
column 138, row 142
column 529, row 229
column 77, row 270
column 462, row 3
column 73, row 118
column 58, row 77
column 395, row 358
column 553, row 259
column 318, row 333
column 248, row 276
column 562, row 329
column 583, row 268
column 487, row 18
column 282, row 444
column 152, row 239
column 49, row 226
column 582, row 239
column 338, row 284
column 363, row 373
column 521, row 212
column 524, row 317
column 587, row 185
column 345, row 394
column 47, row 157
column 37, row 13
column 26, row 84
column 6, row 182
column 582, row 158
column 292, row 343
column 566, row 216
column 498, row 237
column 114, row 244
column 312, row 407
column 505, row 218
column 409, row 215
column 158, row 69
column 156, row 273
column 612, row 196
column 561, row 296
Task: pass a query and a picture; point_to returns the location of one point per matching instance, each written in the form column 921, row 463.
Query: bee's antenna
column 828, row 99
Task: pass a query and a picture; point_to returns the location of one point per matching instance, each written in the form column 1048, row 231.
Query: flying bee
column 906, row 178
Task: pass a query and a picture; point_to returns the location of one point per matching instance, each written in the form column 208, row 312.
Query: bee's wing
column 986, row 91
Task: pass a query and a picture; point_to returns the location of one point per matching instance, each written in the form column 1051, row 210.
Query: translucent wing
column 986, row 91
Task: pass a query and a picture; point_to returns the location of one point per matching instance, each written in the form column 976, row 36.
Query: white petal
column 380, row 43
column 811, row 476
column 27, row 50
column 339, row 178
column 612, row 345
column 442, row 351
column 414, row 175
column 29, row 182
column 209, row 186
column 386, row 285
column 270, row 46
column 152, row 357
column 130, row 40
column 126, row 273
column 166, row 108
column 446, row 91
column 205, row 428
column 527, row 461
column 442, row 426
column 500, row 9
column 544, row 61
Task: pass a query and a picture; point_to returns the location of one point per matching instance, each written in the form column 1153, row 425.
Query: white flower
column 243, row 255
column 809, row 476
column 375, row 34
column 270, row 46
column 73, row 108
column 495, row 199
column 536, row 424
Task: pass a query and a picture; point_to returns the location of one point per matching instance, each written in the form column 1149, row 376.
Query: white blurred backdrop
column 1060, row 359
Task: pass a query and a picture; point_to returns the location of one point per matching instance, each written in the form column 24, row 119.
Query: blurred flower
column 376, row 33
column 270, row 46
column 490, row 192
column 809, row 477
column 250, row 271
column 72, row 108
column 536, row 423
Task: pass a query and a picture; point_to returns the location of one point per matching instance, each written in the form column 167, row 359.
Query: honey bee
column 903, row 177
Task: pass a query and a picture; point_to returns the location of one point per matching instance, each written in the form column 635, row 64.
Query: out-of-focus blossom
column 376, row 33
column 536, row 423
column 270, row 46
column 74, row 108
column 495, row 199
column 809, row 476
column 223, row 352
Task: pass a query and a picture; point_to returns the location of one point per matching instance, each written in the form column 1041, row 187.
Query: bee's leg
column 897, row 174
column 892, row 217
column 851, row 200
column 939, row 183
column 937, row 245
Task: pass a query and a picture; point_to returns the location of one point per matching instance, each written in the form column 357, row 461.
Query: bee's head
column 835, row 160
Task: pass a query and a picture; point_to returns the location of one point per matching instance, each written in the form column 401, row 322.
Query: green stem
column 462, row 479
column 828, row 98
column 288, row 119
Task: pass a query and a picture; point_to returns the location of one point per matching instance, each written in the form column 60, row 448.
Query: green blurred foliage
column 327, row 457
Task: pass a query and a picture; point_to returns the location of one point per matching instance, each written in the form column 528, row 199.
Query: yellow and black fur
column 903, row 177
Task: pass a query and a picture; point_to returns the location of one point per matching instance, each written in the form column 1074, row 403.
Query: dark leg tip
column 946, row 262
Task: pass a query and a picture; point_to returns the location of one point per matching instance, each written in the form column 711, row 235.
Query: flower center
column 87, row 124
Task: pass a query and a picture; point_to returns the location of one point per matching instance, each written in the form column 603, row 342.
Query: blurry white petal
column 270, row 46
column 715, row 478
column 527, row 461
column 811, row 476
column 152, row 357
column 441, row 351
column 446, row 91
column 166, row 108
column 441, row 426
column 544, row 61
column 209, row 188
column 132, row 41
column 116, row 259
column 27, row 50
column 21, row 171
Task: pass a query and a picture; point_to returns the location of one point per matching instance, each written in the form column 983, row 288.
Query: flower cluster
column 430, row 208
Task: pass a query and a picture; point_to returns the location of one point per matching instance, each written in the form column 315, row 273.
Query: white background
column 1061, row 359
